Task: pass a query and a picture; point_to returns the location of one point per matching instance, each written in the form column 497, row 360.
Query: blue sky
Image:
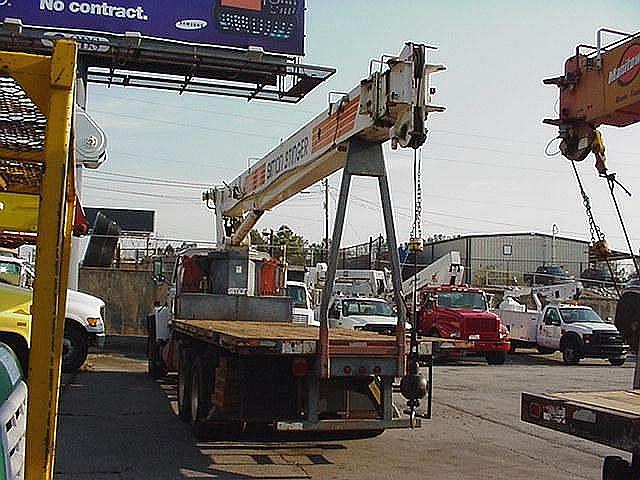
column 484, row 168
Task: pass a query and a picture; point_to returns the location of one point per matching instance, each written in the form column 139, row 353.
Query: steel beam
column 53, row 244
column 363, row 159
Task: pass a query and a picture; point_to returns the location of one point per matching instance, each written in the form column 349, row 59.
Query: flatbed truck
column 241, row 374
column 227, row 327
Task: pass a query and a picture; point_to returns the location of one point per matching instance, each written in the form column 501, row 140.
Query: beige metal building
column 505, row 259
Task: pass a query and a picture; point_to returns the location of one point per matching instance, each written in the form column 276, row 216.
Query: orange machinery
column 600, row 86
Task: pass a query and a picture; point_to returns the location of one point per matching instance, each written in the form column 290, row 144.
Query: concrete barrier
column 129, row 294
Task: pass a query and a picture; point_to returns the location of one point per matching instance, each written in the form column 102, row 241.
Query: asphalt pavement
column 118, row 423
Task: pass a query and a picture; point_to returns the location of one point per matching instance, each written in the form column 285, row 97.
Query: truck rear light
column 362, row 370
column 347, row 370
column 299, row 367
column 377, row 370
column 535, row 410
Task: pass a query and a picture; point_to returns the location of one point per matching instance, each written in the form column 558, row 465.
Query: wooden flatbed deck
column 625, row 401
column 274, row 337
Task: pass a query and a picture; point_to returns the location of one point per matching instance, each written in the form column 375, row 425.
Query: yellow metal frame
column 49, row 82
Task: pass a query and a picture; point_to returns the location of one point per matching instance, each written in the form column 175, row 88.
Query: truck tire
column 512, row 348
column 571, row 352
column 617, row 361
column 75, row 347
column 615, row 468
column 544, row 350
column 200, row 391
column 496, row 358
column 184, row 375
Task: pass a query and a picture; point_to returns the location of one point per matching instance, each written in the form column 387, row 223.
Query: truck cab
column 462, row 313
column 363, row 313
column 579, row 332
column 84, row 316
column 302, row 311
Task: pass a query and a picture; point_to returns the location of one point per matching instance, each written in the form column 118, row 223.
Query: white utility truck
column 577, row 331
column 302, row 311
column 84, row 318
column 363, row 313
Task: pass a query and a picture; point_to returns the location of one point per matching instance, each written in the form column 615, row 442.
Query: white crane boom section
column 391, row 104
column 447, row 270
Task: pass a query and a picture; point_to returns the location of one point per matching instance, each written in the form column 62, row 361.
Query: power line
column 184, row 125
column 202, row 110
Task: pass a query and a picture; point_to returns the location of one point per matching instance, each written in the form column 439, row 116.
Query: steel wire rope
column 594, row 229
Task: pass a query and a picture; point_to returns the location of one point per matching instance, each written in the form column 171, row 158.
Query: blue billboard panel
column 275, row 25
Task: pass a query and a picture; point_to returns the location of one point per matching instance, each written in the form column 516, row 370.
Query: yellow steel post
column 50, row 284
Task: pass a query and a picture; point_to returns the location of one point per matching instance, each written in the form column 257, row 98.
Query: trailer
column 610, row 418
column 239, row 374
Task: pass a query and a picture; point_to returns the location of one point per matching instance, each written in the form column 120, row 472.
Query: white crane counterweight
column 391, row 104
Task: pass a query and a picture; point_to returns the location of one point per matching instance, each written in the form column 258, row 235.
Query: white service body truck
column 577, row 331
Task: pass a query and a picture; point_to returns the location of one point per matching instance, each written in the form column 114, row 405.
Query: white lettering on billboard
column 103, row 9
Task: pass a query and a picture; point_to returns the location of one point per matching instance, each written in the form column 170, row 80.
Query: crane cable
column 598, row 240
column 612, row 182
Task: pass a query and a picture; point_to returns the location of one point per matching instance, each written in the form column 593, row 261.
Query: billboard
column 275, row 25
column 130, row 221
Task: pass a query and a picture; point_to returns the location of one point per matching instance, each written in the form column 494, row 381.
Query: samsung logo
column 191, row 24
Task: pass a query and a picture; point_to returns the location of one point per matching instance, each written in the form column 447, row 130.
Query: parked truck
column 462, row 313
column 227, row 327
column 84, row 316
column 576, row 331
column 243, row 360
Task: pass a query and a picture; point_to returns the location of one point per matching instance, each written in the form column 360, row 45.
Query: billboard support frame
column 132, row 60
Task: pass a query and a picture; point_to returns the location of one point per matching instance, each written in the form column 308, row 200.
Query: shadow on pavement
column 122, row 425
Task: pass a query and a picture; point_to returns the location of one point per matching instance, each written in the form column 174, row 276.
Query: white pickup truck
column 363, row 313
column 577, row 331
column 84, row 318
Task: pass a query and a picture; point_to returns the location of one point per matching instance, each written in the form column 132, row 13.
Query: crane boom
column 447, row 269
column 391, row 104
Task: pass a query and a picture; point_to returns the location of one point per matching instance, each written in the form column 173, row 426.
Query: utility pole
column 325, row 184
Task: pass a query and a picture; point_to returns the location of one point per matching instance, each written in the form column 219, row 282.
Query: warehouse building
column 507, row 258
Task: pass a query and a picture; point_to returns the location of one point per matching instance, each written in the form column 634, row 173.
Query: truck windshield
column 298, row 294
column 10, row 273
column 366, row 307
column 473, row 300
column 571, row 315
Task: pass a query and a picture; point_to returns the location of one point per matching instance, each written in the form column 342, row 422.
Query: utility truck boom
column 227, row 327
